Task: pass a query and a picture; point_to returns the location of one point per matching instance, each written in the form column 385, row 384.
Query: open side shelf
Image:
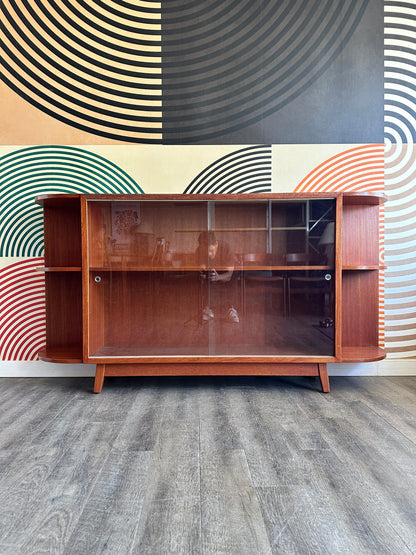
column 63, row 355
column 362, row 354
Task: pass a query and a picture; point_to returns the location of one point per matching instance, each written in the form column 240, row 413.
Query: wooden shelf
column 248, row 267
column 362, row 354
column 55, row 200
column 370, row 199
column 64, row 355
column 363, row 267
column 59, row 269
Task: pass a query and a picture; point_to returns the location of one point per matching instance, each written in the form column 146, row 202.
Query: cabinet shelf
column 360, row 353
column 63, row 355
column 248, row 267
column 363, row 267
column 60, row 269
column 361, row 198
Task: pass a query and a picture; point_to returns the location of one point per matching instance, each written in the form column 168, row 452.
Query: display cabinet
column 266, row 284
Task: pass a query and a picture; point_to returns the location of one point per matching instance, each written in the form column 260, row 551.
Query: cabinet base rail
column 218, row 369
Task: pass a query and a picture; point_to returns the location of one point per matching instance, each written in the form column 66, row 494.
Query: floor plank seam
column 392, row 426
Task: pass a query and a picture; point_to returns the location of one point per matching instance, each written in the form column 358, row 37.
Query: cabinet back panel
column 62, row 229
column 360, row 308
column 64, row 309
column 151, row 309
column 360, row 229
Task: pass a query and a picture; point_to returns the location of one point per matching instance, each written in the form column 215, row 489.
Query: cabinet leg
column 99, row 378
column 323, row 376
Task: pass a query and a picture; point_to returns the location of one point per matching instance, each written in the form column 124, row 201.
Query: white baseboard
column 38, row 369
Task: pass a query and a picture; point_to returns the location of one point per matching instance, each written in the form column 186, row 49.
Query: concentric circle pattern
column 400, row 135
column 400, row 73
column 91, row 64
column 400, row 250
column 248, row 170
column 357, row 169
column 29, row 172
column 22, row 310
column 229, row 63
column 217, row 66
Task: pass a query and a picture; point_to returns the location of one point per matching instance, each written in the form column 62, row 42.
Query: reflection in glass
column 203, row 278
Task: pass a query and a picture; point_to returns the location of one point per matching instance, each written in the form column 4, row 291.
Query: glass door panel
column 144, row 234
column 205, row 278
column 297, row 231
column 244, row 227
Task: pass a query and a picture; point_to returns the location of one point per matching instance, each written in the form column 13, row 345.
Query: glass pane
column 303, row 232
column 144, row 234
column 146, row 314
column 179, row 278
column 310, row 311
column 243, row 227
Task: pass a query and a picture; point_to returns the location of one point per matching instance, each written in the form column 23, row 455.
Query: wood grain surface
column 208, row 465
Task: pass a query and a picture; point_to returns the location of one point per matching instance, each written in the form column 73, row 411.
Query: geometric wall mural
column 22, row 310
column 29, row 172
column 400, row 178
column 248, row 170
column 272, row 95
column 190, row 71
column 359, row 168
column 228, row 65
column 93, row 65
column 401, row 250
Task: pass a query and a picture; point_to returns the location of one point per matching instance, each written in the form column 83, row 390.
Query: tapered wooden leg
column 99, row 378
column 323, row 376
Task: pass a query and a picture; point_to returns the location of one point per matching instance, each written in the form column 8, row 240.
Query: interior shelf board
column 363, row 267
column 223, row 229
column 59, row 269
column 251, row 267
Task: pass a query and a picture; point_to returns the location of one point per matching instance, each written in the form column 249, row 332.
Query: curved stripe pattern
column 400, row 72
column 22, row 310
column 91, row 64
column 229, row 63
column 357, row 169
column 248, row 170
column 400, row 135
column 33, row 171
column 400, row 250
column 354, row 170
column 99, row 66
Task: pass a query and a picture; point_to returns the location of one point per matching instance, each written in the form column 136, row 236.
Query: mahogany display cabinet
column 253, row 284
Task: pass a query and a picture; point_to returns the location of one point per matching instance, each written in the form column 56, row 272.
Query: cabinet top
column 64, row 199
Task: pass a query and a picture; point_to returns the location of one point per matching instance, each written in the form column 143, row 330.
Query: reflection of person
column 217, row 263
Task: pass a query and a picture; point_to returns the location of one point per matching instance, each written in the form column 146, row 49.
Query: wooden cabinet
column 267, row 284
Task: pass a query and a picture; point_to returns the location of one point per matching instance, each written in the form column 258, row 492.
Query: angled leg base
column 323, row 376
column 99, row 378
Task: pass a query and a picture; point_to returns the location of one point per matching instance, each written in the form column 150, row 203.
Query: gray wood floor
column 208, row 465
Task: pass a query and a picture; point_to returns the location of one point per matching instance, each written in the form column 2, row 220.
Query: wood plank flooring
column 208, row 466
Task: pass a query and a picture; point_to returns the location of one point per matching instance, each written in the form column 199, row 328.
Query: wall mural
column 22, row 315
column 198, row 97
column 189, row 71
column 400, row 179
